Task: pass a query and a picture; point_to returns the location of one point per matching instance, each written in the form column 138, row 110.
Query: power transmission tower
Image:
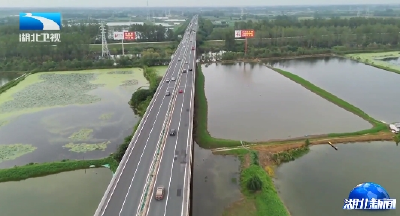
column 105, row 53
column 148, row 11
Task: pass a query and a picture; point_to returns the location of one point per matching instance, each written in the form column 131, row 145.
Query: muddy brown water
column 252, row 102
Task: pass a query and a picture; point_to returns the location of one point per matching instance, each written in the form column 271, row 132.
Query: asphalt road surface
column 171, row 173
column 126, row 196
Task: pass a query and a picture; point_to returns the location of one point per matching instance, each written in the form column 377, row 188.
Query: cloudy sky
column 174, row 3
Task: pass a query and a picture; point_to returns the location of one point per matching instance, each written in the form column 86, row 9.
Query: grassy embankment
column 32, row 170
column 377, row 125
column 265, row 202
column 374, row 59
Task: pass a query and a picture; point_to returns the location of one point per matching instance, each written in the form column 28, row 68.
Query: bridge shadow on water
column 215, row 182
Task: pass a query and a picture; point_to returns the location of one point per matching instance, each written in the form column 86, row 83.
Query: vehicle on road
column 160, row 191
column 186, row 62
column 190, row 69
column 167, row 80
column 173, row 79
column 192, row 48
column 181, row 91
column 184, row 71
column 179, row 59
column 172, row 132
column 167, row 93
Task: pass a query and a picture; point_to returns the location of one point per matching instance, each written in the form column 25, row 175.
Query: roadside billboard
column 247, row 33
column 118, row 35
column 129, row 36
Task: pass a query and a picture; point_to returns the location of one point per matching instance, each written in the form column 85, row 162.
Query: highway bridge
column 153, row 157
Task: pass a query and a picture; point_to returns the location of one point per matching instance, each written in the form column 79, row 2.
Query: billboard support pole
column 123, row 51
column 245, row 46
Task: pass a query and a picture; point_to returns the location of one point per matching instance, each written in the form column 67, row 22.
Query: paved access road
column 126, row 195
column 175, row 158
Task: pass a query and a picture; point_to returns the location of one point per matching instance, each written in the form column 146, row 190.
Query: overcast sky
column 178, row 3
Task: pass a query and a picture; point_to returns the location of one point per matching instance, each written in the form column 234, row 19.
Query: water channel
column 5, row 77
column 371, row 89
column 252, row 102
column 75, row 193
column 317, row 183
column 215, row 182
column 394, row 61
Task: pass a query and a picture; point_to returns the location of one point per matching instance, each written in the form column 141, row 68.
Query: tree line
column 73, row 52
column 290, row 36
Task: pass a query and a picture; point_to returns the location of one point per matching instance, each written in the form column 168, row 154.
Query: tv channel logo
column 369, row 196
column 40, row 21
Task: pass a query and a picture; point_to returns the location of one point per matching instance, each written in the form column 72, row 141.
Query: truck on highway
column 160, row 192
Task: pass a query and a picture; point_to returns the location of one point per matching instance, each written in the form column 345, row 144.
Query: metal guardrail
column 190, row 147
column 147, row 189
column 114, row 181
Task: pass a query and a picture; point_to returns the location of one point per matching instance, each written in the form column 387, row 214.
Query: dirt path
column 275, row 146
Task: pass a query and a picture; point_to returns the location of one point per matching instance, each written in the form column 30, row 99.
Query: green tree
column 307, row 142
column 254, row 183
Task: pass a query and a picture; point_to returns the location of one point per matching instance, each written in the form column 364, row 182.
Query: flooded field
column 215, row 182
column 371, row 89
column 252, row 102
column 65, row 194
column 62, row 115
column 317, row 183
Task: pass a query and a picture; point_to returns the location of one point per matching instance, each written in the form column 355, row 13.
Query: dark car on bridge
column 190, row 69
column 172, row 132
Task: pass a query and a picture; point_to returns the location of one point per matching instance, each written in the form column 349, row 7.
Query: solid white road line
column 145, row 146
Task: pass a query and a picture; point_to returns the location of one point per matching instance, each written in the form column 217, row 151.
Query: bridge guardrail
column 186, row 211
column 147, row 189
column 115, row 179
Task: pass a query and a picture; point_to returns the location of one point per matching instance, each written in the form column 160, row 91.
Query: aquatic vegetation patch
column 13, row 151
column 106, row 116
column 377, row 60
column 120, row 72
column 83, row 134
column 130, row 82
column 160, row 70
column 54, row 90
column 86, row 147
column 2, row 123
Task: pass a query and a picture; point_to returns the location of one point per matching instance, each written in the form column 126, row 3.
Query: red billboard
column 129, row 36
column 248, row 33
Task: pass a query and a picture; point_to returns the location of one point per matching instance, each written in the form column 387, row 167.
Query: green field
column 375, row 59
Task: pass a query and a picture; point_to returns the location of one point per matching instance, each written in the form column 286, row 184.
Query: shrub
column 254, row 183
